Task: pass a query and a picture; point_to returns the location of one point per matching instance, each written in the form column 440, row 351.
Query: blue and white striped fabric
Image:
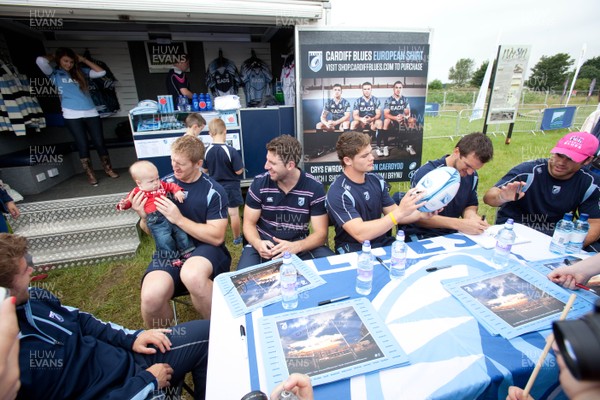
column 18, row 109
column 452, row 356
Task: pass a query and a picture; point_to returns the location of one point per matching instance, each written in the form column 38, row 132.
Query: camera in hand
column 579, row 344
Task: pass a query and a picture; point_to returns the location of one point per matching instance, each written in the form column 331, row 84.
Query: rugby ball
column 440, row 187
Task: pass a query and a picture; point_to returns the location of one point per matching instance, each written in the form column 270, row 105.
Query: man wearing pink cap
column 538, row 193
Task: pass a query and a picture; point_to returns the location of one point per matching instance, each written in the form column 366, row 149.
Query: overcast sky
column 470, row 28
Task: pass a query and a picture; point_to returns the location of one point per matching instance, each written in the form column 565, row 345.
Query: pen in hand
column 589, row 289
column 518, row 191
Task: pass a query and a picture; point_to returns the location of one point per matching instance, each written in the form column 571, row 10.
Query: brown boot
column 86, row 163
column 107, row 168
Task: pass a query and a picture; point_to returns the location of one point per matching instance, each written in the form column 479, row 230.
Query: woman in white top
column 79, row 112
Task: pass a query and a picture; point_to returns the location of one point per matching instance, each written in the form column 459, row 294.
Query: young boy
column 195, row 123
column 168, row 237
column 224, row 164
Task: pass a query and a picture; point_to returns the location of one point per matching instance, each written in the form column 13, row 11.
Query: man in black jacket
column 66, row 353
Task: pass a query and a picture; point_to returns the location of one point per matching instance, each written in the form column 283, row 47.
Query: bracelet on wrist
column 393, row 218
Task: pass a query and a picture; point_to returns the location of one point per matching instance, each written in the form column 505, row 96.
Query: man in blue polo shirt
column 359, row 201
column 460, row 215
column 538, row 193
column 280, row 205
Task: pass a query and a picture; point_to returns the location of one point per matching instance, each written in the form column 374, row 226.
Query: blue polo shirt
column 547, row 199
column 286, row 216
column 347, row 200
column 465, row 197
column 205, row 200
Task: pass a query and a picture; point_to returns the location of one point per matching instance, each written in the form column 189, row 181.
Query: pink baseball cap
column 577, row 146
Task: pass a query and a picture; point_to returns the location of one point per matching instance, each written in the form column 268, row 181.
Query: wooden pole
column 549, row 342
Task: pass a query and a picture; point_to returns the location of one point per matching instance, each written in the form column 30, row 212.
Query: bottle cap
column 583, row 217
column 400, row 234
column 568, row 217
column 510, row 221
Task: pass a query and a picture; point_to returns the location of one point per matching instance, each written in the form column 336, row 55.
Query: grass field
column 112, row 291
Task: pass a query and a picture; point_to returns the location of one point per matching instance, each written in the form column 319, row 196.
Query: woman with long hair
column 79, row 112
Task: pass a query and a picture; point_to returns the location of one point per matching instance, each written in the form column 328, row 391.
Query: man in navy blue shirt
column 359, row 201
column 280, row 206
column 538, row 193
column 203, row 216
column 470, row 154
column 65, row 353
column 339, row 110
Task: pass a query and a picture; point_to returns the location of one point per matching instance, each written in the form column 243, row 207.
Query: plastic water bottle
column 287, row 282
column 398, row 264
column 202, row 102
column 195, row 103
column 504, row 241
column 580, row 230
column 562, row 234
column 209, row 105
column 181, row 103
column 364, row 277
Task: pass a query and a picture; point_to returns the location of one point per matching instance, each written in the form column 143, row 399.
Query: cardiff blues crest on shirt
column 555, row 189
column 56, row 316
column 315, row 60
column 367, row 196
column 300, row 201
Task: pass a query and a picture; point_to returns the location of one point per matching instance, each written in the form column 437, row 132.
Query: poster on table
column 508, row 83
column 347, row 80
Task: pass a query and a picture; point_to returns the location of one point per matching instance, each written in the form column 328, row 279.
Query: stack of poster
column 258, row 286
column 328, row 343
column 514, row 301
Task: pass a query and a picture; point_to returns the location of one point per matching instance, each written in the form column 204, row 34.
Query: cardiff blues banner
column 362, row 80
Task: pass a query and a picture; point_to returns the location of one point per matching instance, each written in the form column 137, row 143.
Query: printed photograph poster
column 328, row 343
column 514, row 300
column 258, row 286
column 377, row 88
column 508, row 83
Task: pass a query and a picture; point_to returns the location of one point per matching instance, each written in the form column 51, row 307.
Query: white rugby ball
column 440, row 187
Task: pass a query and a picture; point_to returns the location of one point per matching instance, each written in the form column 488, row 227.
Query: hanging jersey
column 222, row 77
column 367, row 108
column 103, row 91
column 337, row 110
column 288, row 81
column 396, row 106
column 256, row 77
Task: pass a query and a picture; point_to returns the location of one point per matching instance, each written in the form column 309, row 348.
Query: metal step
column 78, row 231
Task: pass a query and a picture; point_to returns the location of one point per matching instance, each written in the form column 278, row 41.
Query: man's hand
column 156, row 337
column 567, row 276
column 283, row 246
column 408, row 205
column 167, row 208
column 264, row 249
column 162, row 373
column 516, row 393
column 472, row 226
column 179, row 196
column 299, row 384
column 138, row 201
